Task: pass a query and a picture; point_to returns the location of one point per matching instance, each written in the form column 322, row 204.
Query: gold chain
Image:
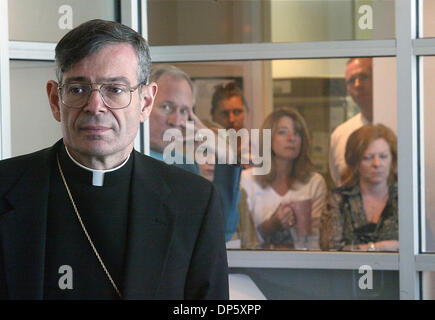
column 86, row 232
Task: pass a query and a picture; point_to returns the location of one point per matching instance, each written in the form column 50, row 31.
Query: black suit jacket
column 176, row 246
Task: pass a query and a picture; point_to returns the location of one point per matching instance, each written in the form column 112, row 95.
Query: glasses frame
column 131, row 89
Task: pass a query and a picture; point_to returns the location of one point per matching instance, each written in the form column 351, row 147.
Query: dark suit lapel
column 149, row 233
column 23, row 230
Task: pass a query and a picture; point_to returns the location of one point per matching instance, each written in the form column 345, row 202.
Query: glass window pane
column 428, row 285
column 189, row 22
column 317, row 90
column 319, row 284
column 428, row 222
column 32, row 124
column 49, row 20
column 428, row 14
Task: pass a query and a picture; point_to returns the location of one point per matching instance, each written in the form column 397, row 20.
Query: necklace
column 85, row 231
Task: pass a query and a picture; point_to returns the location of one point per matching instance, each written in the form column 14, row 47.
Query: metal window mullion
column 311, row 260
column 425, row 262
column 27, row 50
column 424, row 47
column 129, row 14
column 422, row 162
column 130, row 17
column 5, row 106
column 407, row 121
column 144, row 18
column 261, row 51
column 144, row 31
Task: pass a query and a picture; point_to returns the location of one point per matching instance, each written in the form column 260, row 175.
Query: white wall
column 308, row 68
column 385, row 92
column 37, row 20
column 294, row 21
column 32, row 125
column 310, row 21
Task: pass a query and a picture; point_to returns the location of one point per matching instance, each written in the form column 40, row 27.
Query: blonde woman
column 285, row 205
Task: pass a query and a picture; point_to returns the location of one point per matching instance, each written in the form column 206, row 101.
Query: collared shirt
column 104, row 211
column 337, row 147
column 344, row 222
column 97, row 175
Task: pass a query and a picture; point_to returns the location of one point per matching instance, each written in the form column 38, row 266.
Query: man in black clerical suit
column 90, row 218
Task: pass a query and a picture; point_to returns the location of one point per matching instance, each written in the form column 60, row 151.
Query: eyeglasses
column 114, row 95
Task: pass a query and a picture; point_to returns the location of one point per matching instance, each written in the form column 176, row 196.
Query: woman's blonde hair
column 302, row 165
column 358, row 143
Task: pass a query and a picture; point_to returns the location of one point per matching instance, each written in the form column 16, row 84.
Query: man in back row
column 90, row 218
column 173, row 108
column 359, row 85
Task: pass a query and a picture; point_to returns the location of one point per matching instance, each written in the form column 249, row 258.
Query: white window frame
column 409, row 262
column 5, row 104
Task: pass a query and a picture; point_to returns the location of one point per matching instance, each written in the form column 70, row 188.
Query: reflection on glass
column 319, row 284
column 32, row 124
column 49, row 20
column 428, row 15
column 428, row 285
column 428, row 222
column 189, row 22
column 326, row 93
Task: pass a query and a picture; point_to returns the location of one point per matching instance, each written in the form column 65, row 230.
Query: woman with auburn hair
column 362, row 214
column 285, row 205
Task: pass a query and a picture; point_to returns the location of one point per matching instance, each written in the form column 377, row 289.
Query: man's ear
column 149, row 93
column 53, row 98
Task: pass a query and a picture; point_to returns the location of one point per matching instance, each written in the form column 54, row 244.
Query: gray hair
column 93, row 35
column 175, row 72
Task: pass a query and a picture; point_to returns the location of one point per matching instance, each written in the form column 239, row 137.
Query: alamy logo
column 221, row 146
column 366, row 280
column 365, row 21
column 66, row 19
column 66, row 280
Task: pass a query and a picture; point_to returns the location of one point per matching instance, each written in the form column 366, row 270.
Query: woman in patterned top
column 362, row 214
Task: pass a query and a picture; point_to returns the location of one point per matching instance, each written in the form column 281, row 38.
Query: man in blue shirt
column 173, row 107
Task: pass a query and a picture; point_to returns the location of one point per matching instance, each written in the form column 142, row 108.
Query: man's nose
column 175, row 119
column 95, row 103
column 231, row 117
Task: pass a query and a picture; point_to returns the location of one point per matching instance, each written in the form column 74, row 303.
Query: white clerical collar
column 97, row 175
